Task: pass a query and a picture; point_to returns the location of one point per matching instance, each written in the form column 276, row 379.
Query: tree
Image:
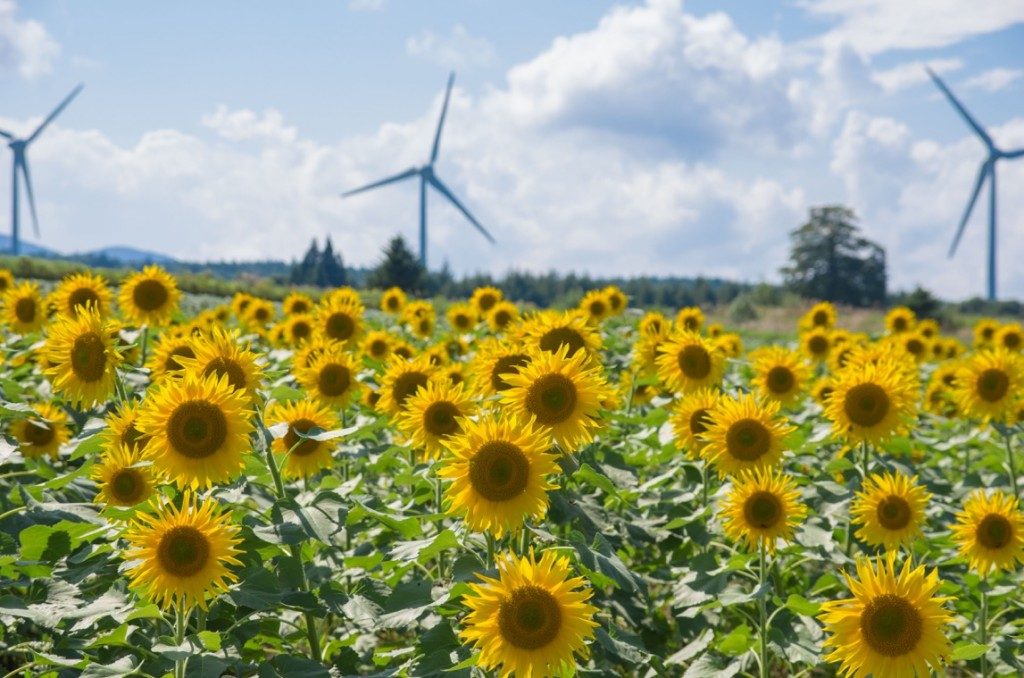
column 830, row 260
column 330, row 271
column 304, row 271
column 400, row 268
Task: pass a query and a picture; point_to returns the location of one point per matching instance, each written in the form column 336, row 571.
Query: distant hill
column 129, row 255
column 27, row 248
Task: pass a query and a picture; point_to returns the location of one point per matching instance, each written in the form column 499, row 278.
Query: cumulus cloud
column 246, row 124
column 26, row 47
column 995, row 79
column 913, row 73
column 457, row 49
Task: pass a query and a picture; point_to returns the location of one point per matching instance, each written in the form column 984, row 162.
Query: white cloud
column 25, row 45
column 875, row 26
column 246, row 124
column 995, row 79
column 913, row 73
column 366, row 5
column 457, row 49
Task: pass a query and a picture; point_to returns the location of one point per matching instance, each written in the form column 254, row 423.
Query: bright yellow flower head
column 222, row 353
column 872, row 402
column 23, row 308
column 82, row 356
column 149, row 296
column 687, row 362
column 691, row 419
column 988, row 383
column 779, row 374
column 304, row 456
column 123, row 478
column 889, row 510
column 744, row 435
column 763, row 506
column 990, row 532
column 433, row 414
column 42, row 432
column 79, row 292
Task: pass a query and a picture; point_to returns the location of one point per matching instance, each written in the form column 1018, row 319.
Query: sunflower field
column 332, row 487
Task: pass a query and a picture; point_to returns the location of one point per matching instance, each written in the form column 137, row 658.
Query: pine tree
column 331, row 270
column 400, row 268
column 304, row 272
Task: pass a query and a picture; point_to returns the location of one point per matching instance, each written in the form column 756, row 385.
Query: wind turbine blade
column 440, row 122
column 982, row 175
column 411, row 172
column 56, row 112
column 439, row 185
column 960, row 109
column 31, row 196
column 1014, row 154
column 6, row 134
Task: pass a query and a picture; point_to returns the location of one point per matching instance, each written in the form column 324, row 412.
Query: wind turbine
column 427, row 176
column 18, row 147
column 986, row 171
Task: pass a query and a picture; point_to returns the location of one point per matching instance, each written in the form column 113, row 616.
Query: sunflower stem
column 1010, row 463
column 866, row 452
column 181, row 614
column 984, row 625
column 438, row 498
column 490, row 550
column 143, row 341
column 762, row 610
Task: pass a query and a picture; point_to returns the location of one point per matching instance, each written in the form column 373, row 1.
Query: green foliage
column 830, row 260
column 319, row 268
column 399, row 268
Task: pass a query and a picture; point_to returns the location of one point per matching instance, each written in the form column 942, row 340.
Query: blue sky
column 629, row 138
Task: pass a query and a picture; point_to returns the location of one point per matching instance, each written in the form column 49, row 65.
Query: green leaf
column 966, row 651
column 210, row 640
column 797, row 604
column 587, row 474
column 424, row 549
column 739, row 640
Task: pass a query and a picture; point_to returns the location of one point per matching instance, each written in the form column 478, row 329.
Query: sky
column 652, row 137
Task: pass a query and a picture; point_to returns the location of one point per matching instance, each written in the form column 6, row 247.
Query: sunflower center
column 762, row 510
column 406, row 386
column 300, row 447
column 378, row 347
column 780, row 379
column 339, row 326
column 615, row 301
column 915, row 346
column 691, row 323
column 150, row 295
column 333, row 380
column 126, row 486
column 748, row 440
column 426, row 326
column 499, row 471
column 993, row 385
column 891, row 625
column 818, row 345
column 502, row 318
column 391, row 303
column 530, row 618
column 299, row 306
column 820, row 319
column 699, row 421
column 133, row 436
column 462, row 321
column 694, row 361
column 486, row 302
column 994, row 531
column 89, row 357
column 301, row 330
column 552, row 399
column 1012, row 340
column 25, row 310
column 554, row 339
column 866, row 404
column 403, row 352
column 439, row 418
column 597, row 308
column 893, row 512
column 900, row 324
column 183, row 551
column 171, row 364
column 262, row 313
column 226, row 367
column 83, row 297
column 504, row 365
column 197, row 429
column 38, row 434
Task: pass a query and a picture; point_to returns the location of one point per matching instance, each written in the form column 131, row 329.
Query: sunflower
column 6, row 280
column 181, row 555
column 532, row 620
column 122, row 478
column 455, row 374
column 304, row 456
column 168, row 352
column 900, row 319
column 691, row 418
column 617, row 299
column 645, row 353
column 297, row 303
column 1011, row 337
column 23, row 308
column 841, row 354
column 340, row 320
column 714, row 330
column 502, row 315
column 744, row 434
column 80, row 291
column 551, row 330
column 403, row 350
column 562, row 394
column 634, row 389
column 423, row 326
column 392, row 300
column 83, row 360
column 401, row 380
column 822, row 314
column 42, row 432
column 988, row 383
column 816, row 344
column 199, row 429
column 122, row 427
column 779, row 374
column 258, row 313
column 761, row 508
column 990, row 532
column 330, row 377
column 461, row 317
column 822, row 390
column 377, row 345
column 730, row 344
column 484, row 299
column 595, row 306
column 687, row 361
column 149, row 296
column 296, row 329
column 894, row 625
column 653, row 323
column 889, row 508
column 345, row 295
column 985, row 332
column 499, row 468
column 871, row 402
column 494, row 362
column 690, row 319
column 240, row 303
column 929, row 327
column 432, row 414
column 221, row 354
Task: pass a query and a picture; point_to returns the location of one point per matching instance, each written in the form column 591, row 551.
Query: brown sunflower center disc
column 866, row 404
column 39, row 434
column 301, row 330
column 694, row 361
column 507, row 364
column 529, row 618
column 333, row 380
column 891, row 625
column 83, row 297
column 439, row 418
column 226, row 367
column 291, row 438
column 499, row 471
column 552, row 399
column 597, row 309
column 406, row 386
column 89, row 357
column 994, row 531
column 197, row 429
column 172, row 364
column 126, row 486
column 699, row 421
column 893, row 513
column 486, row 302
column 501, row 318
column 820, row 319
column 993, row 385
column 553, row 340
column 183, row 551
column 339, row 326
column 818, row 345
column 762, row 510
column 25, row 310
column 150, row 295
column 748, row 440
column 780, row 379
